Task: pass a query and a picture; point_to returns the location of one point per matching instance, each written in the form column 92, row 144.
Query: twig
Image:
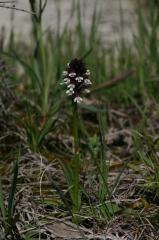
column 7, row 2
column 113, row 82
column 14, row 8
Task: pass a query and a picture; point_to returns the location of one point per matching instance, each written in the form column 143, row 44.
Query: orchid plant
column 76, row 79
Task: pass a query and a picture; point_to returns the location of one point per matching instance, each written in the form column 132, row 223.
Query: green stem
column 76, row 187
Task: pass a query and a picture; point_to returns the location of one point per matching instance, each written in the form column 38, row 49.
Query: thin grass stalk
column 103, row 173
column 36, row 18
column 2, row 207
column 10, row 223
column 12, row 192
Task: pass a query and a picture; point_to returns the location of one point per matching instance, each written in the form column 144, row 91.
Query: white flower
column 87, row 91
column 70, row 91
column 72, row 74
column 88, row 72
column 87, row 81
column 66, row 80
column 79, row 79
column 78, row 99
column 64, row 73
column 71, row 86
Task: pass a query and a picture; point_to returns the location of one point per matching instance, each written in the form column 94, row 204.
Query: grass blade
column 12, row 191
column 2, row 207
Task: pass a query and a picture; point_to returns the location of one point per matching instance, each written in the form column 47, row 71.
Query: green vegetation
column 85, row 171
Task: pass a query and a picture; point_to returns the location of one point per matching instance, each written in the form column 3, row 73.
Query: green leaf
column 110, row 208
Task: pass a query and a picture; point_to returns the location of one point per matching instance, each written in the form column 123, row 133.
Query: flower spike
column 76, row 79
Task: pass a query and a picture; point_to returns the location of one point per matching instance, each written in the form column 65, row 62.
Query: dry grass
column 39, row 208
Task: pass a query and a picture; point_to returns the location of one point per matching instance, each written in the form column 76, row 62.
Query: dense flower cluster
column 76, row 79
